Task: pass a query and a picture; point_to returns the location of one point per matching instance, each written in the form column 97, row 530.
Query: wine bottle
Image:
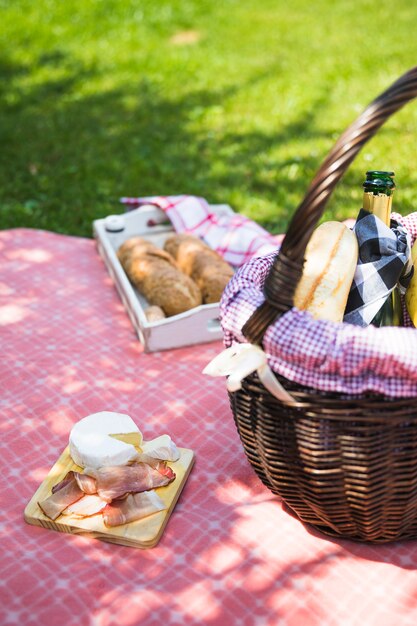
column 379, row 188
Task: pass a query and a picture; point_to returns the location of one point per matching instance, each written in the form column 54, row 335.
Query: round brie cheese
column 104, row 439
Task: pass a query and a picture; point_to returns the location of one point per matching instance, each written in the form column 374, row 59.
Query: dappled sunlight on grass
column 186, row 38
column 238, row 104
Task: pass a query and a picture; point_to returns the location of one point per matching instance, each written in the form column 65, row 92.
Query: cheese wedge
column 162, row 448
column 101, row 440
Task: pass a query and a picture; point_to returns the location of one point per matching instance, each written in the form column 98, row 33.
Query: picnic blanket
column 230, row 554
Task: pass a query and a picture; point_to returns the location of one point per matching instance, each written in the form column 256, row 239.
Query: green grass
column 104, row 98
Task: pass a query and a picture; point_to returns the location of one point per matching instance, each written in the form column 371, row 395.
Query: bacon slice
column 64, row 482
column 67, row 494
column 113, row 482
column 85, row 507
column 86, row 483
column 136, row 506
column 165, row 470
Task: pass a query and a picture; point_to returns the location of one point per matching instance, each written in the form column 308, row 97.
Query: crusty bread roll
column 205, row 266
column 330, row 262
column 156, row 275
column 135, row 246
column 154, row 313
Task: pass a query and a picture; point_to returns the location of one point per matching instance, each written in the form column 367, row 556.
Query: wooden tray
column 198, row 325
column 143, row 533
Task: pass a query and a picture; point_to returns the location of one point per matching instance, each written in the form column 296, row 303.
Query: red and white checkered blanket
column 230, row 555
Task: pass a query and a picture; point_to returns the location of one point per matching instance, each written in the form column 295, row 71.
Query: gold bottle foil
column 378, row 204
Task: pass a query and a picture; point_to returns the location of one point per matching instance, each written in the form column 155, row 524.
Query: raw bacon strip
column 85, row 507
column 134, row 507
column 58, row 501
column 113, row 482
column 64, row 482
column 163, row 469
column 86, row 483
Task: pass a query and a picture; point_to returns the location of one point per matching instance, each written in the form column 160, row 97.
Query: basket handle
column 285, row 273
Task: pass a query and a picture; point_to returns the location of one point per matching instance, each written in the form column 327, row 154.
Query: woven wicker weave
column 345, row 465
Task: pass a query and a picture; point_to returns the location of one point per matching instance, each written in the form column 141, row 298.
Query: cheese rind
column 91, row 443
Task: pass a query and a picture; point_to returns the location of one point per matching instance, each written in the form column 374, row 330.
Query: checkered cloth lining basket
column 343, row 462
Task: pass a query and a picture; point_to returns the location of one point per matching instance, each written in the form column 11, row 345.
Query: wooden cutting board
column 144, row 533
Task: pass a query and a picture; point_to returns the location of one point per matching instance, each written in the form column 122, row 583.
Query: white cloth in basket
column 324, row 355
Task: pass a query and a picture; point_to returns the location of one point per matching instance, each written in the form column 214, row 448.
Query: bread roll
column 156, row 275
column 205, row 266
column 134, row 246
column 154, row 313
column 330, row 262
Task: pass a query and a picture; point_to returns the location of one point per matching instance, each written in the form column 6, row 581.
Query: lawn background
column 236, row 101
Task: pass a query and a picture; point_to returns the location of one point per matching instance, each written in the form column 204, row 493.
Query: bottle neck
column 379, row 204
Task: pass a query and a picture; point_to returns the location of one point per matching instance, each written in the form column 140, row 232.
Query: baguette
column 203, row 264
column 156, row 275
column 330, row 262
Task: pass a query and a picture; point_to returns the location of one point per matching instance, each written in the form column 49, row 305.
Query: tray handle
column 285, row 273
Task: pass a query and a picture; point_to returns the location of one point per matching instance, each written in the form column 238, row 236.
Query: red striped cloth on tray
column 234, row 236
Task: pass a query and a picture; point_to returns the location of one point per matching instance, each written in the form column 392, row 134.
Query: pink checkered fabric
column 235, row 237
column 325, row 355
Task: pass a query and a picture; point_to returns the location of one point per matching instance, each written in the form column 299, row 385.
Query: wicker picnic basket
column 346, row 465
